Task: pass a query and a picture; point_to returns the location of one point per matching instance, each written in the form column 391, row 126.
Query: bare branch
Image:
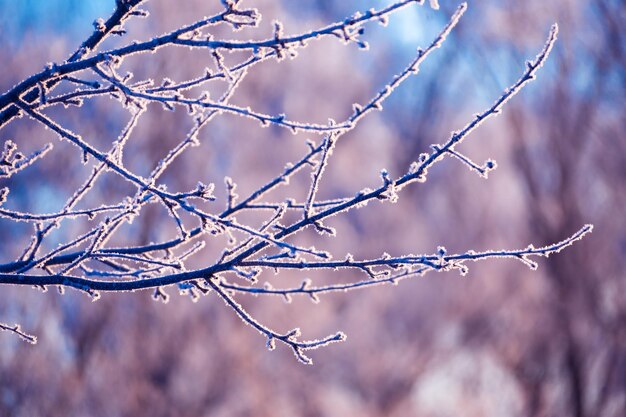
column 84, row 258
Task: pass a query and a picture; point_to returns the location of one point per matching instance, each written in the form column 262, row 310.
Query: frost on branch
column 206, row 215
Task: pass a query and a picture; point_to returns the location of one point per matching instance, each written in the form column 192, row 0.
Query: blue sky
column 73, row 17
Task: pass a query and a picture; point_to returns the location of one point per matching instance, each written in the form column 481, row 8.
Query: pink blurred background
column 503, row 341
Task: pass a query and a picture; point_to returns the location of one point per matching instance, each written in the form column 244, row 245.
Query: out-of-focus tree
column 408, row 332
column 569, row 148
column 578, row 172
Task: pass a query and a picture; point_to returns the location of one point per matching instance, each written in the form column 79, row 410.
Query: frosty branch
column 88, row 262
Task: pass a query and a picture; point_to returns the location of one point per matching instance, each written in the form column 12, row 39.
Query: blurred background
column 503, row 341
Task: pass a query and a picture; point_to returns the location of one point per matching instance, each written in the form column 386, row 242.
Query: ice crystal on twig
column 87, row 261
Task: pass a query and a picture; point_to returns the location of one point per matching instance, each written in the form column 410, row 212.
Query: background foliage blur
column 503, row 341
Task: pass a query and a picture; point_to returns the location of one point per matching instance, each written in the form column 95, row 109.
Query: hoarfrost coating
column 89, row 261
